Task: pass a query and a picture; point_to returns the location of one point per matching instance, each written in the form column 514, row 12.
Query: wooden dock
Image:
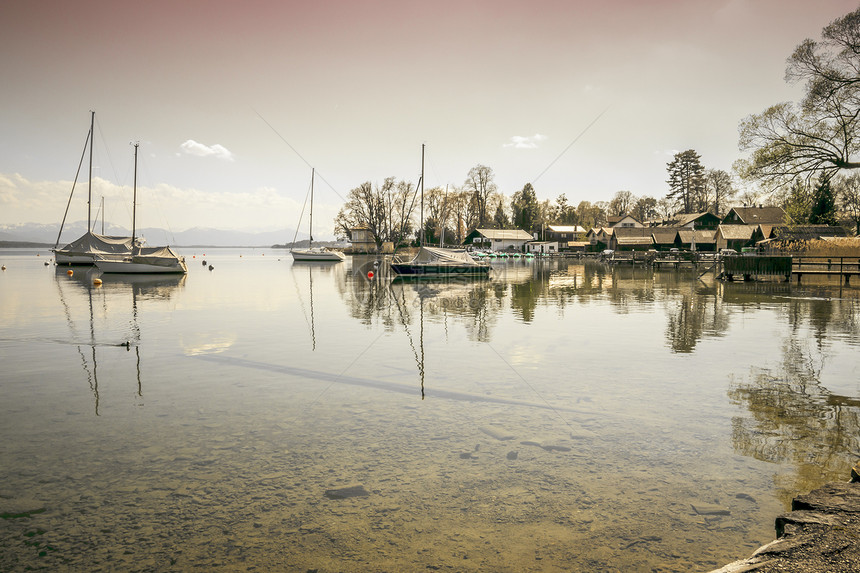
column 842, row 267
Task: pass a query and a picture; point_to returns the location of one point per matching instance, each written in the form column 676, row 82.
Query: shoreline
column 818, row 535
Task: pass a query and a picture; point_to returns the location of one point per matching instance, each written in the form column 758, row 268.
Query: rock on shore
column 820, row 534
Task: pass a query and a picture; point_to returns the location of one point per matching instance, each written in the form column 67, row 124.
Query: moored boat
column 141, row 260
column 84, row 250
column 312, row 253
column 439, row 261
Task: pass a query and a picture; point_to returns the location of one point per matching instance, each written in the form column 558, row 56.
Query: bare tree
column 820, row 133
column 385, row 210
column 479, row 183
column 622, row 203
column 720, row 189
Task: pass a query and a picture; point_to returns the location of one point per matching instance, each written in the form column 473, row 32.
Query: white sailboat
column 315, row 253
column 141, row 259
column 83, row 250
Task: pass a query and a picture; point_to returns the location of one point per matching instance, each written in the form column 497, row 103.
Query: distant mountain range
column 47, row 234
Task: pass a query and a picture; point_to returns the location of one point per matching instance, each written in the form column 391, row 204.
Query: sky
column 232, row 103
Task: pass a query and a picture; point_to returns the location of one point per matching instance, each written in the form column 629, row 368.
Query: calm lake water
column 561, row 416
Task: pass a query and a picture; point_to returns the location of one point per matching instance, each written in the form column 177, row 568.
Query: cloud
column 530, row 142
column 192, row 147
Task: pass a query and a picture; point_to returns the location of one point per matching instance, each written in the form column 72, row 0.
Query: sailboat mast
column 311, row 218
column 134, row 198
column 421, row 240
column 90, row 183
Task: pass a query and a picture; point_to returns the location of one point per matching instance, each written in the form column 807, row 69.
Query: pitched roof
column 565, row 228
column 634, row 241
column 613, row 220
column 664, row 235
column 736, row 232
column 806, row 232
column 757, row 215
column 631, row 231
column 702, row 235
column 505, row 234
column 684, row 219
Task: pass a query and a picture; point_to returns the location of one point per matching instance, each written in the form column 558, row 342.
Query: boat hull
column 73, row 259
column 314, row 255
column 128, row 267
column 439, row 270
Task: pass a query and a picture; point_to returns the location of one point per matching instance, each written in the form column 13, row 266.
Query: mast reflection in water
column 560, row 416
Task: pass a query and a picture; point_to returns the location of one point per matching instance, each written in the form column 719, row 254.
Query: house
column 542, row 247
column 498, row 239
column 623, row 221
column 696, row 240
column 598, row 238
column 362, row 240
column 664, row 237
column 631, row 239
column 706, row 220
column 564, row 234
column 734, row 236
column 754, row 216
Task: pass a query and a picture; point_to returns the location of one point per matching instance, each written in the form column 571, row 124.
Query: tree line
column 802, row 156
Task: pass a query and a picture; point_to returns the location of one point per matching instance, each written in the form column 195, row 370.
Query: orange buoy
column 97, row 282
column 70, row 272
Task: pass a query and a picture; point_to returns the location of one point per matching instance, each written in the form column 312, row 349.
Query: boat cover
column 159, row 256
column 91, row 242
column 439, row 255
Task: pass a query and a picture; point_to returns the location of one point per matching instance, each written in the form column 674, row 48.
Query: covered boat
column 434, row 261
column 143, row 260
column 85, row 249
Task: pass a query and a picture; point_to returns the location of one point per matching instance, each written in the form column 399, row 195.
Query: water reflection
column 108, row 298
column 794, row 417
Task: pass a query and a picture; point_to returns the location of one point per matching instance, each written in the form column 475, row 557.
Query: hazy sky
column 355, row 87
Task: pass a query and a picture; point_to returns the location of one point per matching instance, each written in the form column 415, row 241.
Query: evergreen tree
column 823, row 209
column 525, row 207
column 686, row 180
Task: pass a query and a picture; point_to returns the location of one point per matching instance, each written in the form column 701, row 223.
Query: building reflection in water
column 791, row 417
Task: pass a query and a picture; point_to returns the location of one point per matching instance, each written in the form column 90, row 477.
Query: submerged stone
column 346, row 492
column 709, row 509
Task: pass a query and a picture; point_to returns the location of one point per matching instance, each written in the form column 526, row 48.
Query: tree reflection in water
column 793, row 417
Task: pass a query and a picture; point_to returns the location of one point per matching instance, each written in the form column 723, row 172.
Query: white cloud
column 192, row 147
column 530, row 142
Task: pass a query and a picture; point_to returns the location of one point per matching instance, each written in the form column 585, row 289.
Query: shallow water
column 561, row 416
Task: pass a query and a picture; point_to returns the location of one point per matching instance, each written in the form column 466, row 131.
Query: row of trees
column 802, row 156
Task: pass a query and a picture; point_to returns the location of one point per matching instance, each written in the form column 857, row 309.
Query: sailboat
column 433, row 262
column 141, row 259
column 315, row 253
column 83, row 250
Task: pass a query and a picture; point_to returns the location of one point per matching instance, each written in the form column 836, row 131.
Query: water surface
column 560, row 416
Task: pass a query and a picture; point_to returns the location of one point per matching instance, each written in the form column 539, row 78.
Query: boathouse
column 631, row 239
column 498, row 239
column 362, row 240
column 696, row 240
column 734, row 236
